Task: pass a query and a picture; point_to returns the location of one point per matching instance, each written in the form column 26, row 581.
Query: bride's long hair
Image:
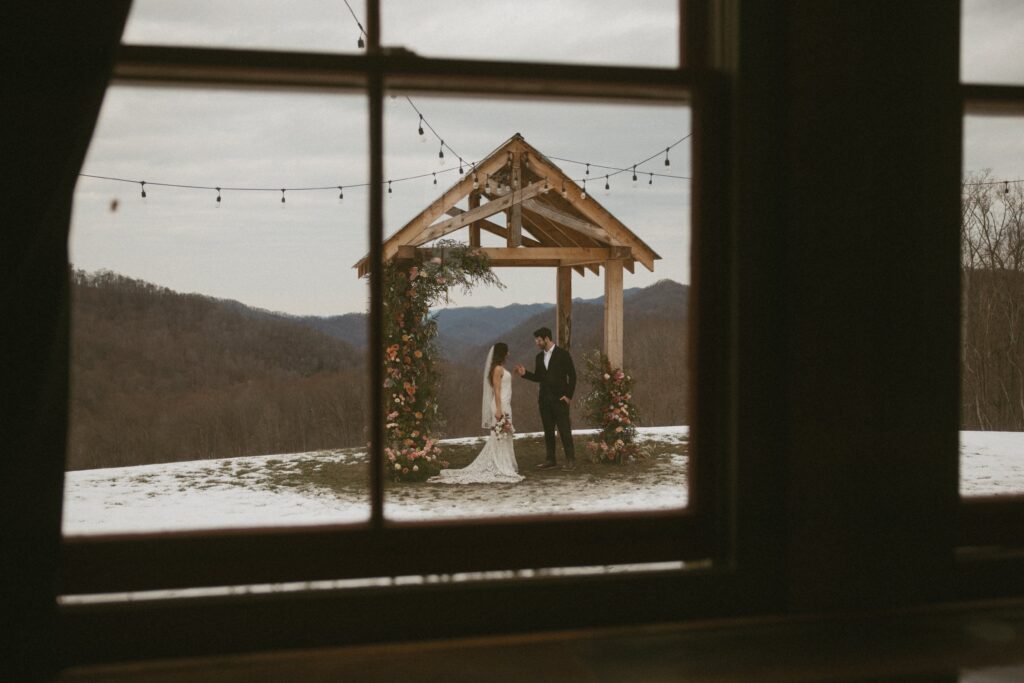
column 499, row 355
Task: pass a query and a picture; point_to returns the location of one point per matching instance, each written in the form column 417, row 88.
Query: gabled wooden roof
column 558, row 225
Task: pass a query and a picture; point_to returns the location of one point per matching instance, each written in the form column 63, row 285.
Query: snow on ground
column 270, row 491
column 991, row 463
column 273, row 490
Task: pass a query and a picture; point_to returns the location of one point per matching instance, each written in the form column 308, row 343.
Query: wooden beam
column 594, row 211
column 489, row 209
column 494, row 229
column 568, row 220
column 515, row 225
column 474, row 228
column 574, row 239
column 613, row 312
column 563, row 308
column 529, row 256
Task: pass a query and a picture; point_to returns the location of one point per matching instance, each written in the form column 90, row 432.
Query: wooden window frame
column 231, row 557
column 990, row 535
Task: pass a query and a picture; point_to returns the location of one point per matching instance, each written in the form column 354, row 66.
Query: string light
column 143, row 184
column 607, row 187
column 634, row 175
column 435, row 179
column 651, row 180
column 1006, row 187
column 667, row 162
column 389, row 187
column 218, row 197
column 460, row 165
column 487, row 184
column 423, row 136
column 565, row 192
column 476, row 182
column 341, row 193
column 282, row 195
column 583, row 194
column 587, row 172
column 360, row 43
column 440, row 153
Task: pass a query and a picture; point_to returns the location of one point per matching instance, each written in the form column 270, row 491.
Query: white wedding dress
column 496, row 463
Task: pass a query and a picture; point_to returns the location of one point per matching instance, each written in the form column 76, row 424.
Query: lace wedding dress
column 496, row 463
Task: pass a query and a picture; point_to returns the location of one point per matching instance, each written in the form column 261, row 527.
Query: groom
column 557, row 376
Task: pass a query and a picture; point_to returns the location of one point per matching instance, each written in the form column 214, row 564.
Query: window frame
column 990, row 534
column 154, row 561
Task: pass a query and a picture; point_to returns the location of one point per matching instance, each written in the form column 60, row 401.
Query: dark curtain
column 60, row 57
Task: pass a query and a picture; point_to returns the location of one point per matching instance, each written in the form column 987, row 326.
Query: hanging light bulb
column 440, row 153
column 607, row 187
column 587, row 172
column 487, row 184
column 547, row 185
column 634, row 175
column 435, row 179
column 1006, row 187
column 389, row 187
column 476, row 182
column 583, row 194
column 565, row 192
column 341, row 193
column 143, row 184
column 423, row 136
column 460, row 165
column 218, row 197
column 651, row 180
column 360, row 42
column 667, row 162
column 282, row 195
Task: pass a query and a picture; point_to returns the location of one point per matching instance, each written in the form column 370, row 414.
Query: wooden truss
column 548, row 222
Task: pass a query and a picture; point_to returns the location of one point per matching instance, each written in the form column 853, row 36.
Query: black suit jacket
column 558, row 379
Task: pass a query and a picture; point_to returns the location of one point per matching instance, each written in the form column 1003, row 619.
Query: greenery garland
column 609, row 406
column 411, row 377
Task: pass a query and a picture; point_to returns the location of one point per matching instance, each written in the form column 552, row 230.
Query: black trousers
column 555, row 413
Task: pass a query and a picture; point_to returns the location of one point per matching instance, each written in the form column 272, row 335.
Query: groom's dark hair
column 543, row 333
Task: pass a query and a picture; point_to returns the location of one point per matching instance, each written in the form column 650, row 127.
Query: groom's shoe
column 546, row 465
column 569, row 466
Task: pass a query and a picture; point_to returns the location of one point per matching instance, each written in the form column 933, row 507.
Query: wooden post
column 563, row 308
column 515, row 225
column 474, row 228
column 613, row 312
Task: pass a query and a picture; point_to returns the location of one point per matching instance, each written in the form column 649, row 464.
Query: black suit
column 556, row 380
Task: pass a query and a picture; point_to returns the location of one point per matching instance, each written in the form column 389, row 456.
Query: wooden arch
column 549, row 222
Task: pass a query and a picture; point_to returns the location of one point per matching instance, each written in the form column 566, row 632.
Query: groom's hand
column 520, row 370
column 567, row 400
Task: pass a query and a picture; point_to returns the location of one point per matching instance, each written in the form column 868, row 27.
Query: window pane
column 992, row 42
column 649, row 219
column 218, row 371
column 312, row 25
column 576, row 31
column 992, row 353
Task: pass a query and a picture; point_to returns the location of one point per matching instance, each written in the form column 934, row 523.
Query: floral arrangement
column 609, row 406
column 503, row 427
column 410, row 373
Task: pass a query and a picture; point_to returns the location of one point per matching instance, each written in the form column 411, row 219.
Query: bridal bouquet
column 503, row 427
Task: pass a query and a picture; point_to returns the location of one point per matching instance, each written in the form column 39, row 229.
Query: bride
column 496, row 463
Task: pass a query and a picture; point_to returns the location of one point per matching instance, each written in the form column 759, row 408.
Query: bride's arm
column 496, row 376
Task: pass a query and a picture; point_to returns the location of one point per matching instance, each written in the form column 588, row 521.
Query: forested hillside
column 160, row 376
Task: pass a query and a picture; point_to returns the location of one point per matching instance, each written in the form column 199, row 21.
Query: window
column 992, row 418
column 98, row 564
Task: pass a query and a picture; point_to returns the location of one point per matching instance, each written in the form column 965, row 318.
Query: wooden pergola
column 549, row 222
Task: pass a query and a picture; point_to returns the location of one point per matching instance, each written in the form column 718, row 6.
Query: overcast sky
column 297, row 257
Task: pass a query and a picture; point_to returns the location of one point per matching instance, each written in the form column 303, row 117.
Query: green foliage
column 609, row 406
column 410, row 356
